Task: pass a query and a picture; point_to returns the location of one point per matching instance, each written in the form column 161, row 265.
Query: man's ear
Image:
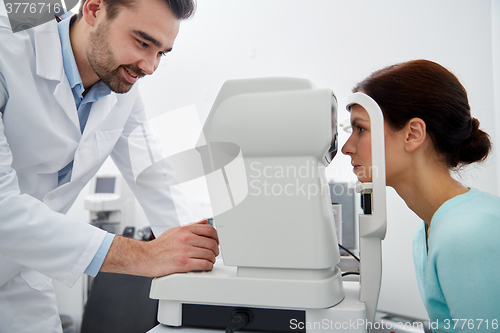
column 91, row 9
column 415, row 134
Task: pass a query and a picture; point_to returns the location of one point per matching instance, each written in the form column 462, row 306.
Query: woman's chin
column 365, row 179
column 362, row 176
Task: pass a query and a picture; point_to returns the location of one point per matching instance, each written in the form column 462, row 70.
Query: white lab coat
column 39, row 135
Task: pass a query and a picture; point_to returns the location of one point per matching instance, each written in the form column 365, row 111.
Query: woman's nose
column 348, row 148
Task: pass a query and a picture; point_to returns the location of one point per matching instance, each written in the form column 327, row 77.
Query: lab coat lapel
column 64, row 97
column 49, row 65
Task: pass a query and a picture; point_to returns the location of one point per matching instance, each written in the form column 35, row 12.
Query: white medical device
column 274, row 216
column 111, row 203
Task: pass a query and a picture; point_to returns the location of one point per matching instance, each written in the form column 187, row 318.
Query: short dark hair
column 182, row 9
column 426, row 90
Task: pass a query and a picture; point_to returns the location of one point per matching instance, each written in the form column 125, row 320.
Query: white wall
column 495, row 41
column 335, row 44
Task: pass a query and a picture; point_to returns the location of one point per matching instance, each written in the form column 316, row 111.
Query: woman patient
column 429, row 133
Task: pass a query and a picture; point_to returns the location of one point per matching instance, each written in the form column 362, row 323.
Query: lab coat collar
column 49, row 65
column 48, row 51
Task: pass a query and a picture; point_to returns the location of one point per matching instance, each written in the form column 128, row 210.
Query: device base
column 347, row 317
column 222, row 286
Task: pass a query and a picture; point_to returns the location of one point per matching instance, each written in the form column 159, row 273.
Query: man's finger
column 201, row 253
column 206, row 243
column 205, row 230
column 200, row 265
column 205, row 221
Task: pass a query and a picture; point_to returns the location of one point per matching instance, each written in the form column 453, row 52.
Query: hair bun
column 476, row 147
column 426, row 90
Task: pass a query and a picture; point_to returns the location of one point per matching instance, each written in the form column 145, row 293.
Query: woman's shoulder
column 467, row 205
column 472, row 215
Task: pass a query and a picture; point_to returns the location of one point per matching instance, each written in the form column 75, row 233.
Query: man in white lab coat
column 67, row 101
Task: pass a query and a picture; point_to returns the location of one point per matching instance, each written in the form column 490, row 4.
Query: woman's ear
column 415, row 134
column 91, row 10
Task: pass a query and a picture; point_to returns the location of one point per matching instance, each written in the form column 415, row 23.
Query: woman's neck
column 426, row 188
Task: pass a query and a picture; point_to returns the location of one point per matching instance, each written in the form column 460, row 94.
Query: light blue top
column 458, row 274
column 83, row 106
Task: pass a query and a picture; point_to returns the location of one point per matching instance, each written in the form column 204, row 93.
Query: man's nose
column 149, row 64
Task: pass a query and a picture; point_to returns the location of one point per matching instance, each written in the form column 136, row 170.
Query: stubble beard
column 101, row 60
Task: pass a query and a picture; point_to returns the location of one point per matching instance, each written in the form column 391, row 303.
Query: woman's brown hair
column 426, row 90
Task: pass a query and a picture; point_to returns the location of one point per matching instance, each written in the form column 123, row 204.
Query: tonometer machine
column 265, row 146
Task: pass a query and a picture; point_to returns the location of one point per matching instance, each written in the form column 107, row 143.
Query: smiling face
column 130, row 46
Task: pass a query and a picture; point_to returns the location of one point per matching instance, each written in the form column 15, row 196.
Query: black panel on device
column 264, row 320
column 366, row 203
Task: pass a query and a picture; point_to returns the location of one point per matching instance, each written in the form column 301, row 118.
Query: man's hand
column 192, row 247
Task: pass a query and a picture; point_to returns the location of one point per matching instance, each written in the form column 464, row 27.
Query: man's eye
column 161, row 54
column 360, row 129
column 142, row 44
